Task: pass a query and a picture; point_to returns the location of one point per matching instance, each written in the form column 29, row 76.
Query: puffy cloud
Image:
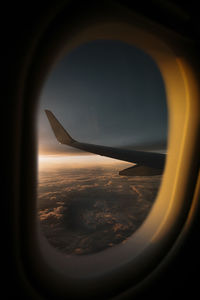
column 56, row 213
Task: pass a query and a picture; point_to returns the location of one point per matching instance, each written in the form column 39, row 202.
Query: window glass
column 105, row 93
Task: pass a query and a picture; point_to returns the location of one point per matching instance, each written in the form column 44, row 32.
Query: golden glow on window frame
column 153, row 240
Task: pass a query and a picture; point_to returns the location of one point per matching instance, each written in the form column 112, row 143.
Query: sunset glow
column 78, row 161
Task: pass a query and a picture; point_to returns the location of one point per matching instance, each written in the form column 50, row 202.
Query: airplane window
column 102, row 136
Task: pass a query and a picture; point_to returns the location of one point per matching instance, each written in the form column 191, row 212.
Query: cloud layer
column 86, row 210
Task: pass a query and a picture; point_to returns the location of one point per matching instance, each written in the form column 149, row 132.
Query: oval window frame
column 173, row 203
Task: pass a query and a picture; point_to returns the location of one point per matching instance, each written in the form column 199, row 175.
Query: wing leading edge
column 148, row 163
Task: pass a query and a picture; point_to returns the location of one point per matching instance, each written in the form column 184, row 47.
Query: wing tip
column 60, row 133
column 49, row 113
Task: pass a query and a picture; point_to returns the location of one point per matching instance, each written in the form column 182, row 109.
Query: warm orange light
column 77, row 161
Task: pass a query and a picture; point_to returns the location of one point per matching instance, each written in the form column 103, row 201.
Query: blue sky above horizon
column 105, row 92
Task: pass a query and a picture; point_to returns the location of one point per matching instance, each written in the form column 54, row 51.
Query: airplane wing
column 147, row 163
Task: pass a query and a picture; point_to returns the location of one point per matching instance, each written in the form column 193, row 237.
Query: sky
column 107, row 93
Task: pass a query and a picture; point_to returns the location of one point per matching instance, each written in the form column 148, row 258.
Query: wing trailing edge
column 138, row 170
